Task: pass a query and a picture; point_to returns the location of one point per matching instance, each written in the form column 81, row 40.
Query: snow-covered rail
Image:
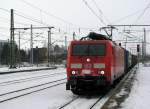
column 102, row 102
column 78, row 102
column 69, row 102
column 28, row 79
column 29, row 90
column 94, row 102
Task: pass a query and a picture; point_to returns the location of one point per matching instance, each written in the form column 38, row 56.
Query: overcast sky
column 70, row 15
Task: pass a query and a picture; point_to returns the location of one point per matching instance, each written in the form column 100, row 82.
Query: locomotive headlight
column 73, row 72
column 102, row 72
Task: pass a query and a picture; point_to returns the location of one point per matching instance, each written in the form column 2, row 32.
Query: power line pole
column 19, row 51
column 143, row 41
column 12, row 49
column 31, row 47
column 50, row 43
column 31, row 43
column 144, row 51
column 66, row 42
column 74, row 34
column 49, row 48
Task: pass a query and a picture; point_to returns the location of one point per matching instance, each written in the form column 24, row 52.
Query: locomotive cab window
column 80, row 50
column 88, row 50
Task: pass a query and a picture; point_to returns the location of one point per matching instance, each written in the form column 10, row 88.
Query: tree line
column 58, row 54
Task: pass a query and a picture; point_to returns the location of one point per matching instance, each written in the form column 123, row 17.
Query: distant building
column 57, row 54
column 40, row 55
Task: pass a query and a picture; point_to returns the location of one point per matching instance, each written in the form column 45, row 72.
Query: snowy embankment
column 6, row 70
column 18, row 81
column 140, row 93
column 46, row 99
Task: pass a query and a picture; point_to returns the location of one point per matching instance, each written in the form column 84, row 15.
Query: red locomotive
column 92, row 62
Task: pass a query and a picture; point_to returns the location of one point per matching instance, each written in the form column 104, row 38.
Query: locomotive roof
column 95, row 36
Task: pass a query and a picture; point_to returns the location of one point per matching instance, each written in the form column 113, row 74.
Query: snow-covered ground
column 6, row 69
column 55, row 97
column 29, row 79
column 34, row 100
column 44, row 66
column 51, row 98
column 140, row 93
column 23, row 75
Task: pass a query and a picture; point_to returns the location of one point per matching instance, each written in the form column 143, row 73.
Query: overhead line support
column 128, row 25
column 31, row 43
column 12, row 42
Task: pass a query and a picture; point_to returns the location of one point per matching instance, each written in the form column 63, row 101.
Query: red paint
column 113, row 59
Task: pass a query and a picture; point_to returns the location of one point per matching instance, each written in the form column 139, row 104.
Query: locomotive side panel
column 118, row 56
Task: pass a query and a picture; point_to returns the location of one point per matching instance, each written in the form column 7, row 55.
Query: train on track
column 96, row 62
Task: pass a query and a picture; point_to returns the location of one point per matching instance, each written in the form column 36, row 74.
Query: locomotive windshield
column 88, row 50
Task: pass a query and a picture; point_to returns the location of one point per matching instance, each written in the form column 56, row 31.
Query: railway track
column 79, row 98
column 130, row 74
column 28, row 79
column 99, row 102
column 29, row 90
column 66, row 104
column 96, row 102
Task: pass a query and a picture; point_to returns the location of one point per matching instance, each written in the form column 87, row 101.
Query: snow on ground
column 83, row 102
column 51, row 98
column 6, row 69
column 31, row 82
column 140, row 93
column 14, row 76
column 28, row 74
column 55, row 97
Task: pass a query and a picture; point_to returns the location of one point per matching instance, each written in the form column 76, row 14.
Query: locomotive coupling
column 67, row 86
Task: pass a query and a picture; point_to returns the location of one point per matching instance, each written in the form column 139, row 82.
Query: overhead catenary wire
column 33, row 6
column 40, row 36
column 54, row 16
column 49, row 14
column 5, row 10
column 100, row 11
column 29, row 18
column 128, row 16
column 8, row 21
column 39, row 21
column 20, row 14
column 86, row 3
column 143, row 12
column 26, row 17
column 8, row 11
column 32, row 19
